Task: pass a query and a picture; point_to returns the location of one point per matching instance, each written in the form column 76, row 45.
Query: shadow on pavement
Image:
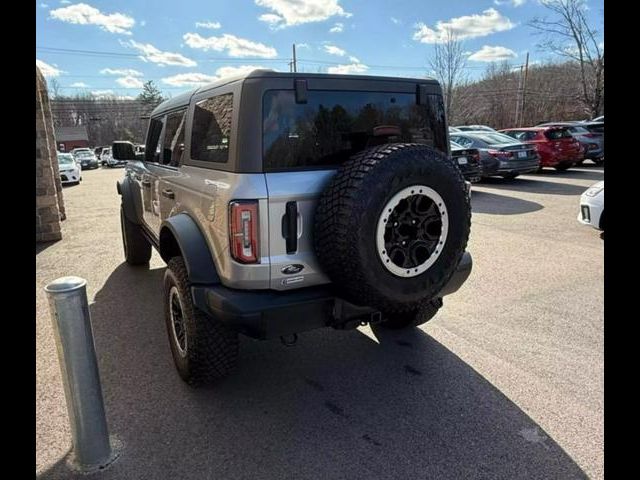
column 337, row 405
column 534, row 185
column 492, row 203
column 42, row 246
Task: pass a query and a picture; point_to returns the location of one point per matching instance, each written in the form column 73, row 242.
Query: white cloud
column 44, row 5
column 333, row 50
column 189, row 79
column 513, row 3
column 79, row 85
column 48, row 70
column 303, row 45
column 492, row 54
column 337, row 28
column 65, row 2
column 396, row 21
column 210, row 25
column 83, row 14
column 143, row 23
column 468, row 26
column 109, row 95
column 234, row 46
column 154, row 55
column 347, row 69
column 129, row 82
column 196, row 79
column 296, row 12
column 354, row 59
column 127, row 72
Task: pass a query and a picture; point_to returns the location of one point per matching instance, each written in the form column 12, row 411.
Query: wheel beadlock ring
column 416, row 215
column 178, row 326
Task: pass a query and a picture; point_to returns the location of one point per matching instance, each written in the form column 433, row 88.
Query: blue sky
column 111, row 47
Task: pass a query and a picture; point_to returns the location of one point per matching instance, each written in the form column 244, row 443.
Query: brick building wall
column 49, row 201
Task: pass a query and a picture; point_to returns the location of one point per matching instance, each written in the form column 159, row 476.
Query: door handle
column 146, row 183
column 168, row 194
column 290, row 227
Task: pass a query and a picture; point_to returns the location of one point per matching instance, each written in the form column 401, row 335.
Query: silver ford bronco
column 284, row 202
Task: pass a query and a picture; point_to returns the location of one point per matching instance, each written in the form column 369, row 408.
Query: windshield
column 334, row 125
column 65, row 159
column 495, row 138
column 456, row 146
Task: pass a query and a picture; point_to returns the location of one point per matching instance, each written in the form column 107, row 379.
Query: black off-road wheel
column 137, row 249
column 204, row 350
column 412, row 318
column 392, row 225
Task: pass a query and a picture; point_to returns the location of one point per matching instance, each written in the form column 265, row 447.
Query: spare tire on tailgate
column 392, row 225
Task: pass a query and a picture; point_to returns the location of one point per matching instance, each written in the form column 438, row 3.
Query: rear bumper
column 517, row 167
column 271, row 314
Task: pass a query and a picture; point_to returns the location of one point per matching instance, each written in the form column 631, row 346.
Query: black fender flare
column 130, row 202
column 181, row 235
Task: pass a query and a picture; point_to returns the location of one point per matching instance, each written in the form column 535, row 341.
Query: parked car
column 592, row 206
column 599, row 119
column 474, row 128
column 555, row 145
column 87, row 160
column 468, row 161
column 293, row 209
column 109, row 161
column 513, row 156
column 592, row 143
column 98, row 151
column 453, row 130
column 70, row 171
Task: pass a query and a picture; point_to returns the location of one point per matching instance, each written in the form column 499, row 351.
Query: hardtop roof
column 184, row 98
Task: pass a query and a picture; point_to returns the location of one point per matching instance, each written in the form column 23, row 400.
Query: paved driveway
column 505, row 382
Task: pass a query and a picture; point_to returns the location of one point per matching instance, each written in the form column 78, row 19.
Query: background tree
column 448, row 64
column 150, row 95
column 568, row 34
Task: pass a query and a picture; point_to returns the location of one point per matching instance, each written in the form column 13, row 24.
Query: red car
column 555, row 145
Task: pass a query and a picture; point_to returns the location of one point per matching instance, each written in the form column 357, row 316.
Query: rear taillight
column 243, row 230
column 500, row 154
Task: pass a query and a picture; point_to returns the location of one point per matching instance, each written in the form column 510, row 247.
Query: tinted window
column 211, row 130
column 173, row 141
column 557, row 134
column 465, row 142
column 578, row 130
column 332, row 126
column 155, row 128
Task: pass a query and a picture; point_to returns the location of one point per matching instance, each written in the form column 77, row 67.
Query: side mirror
column 123, row 151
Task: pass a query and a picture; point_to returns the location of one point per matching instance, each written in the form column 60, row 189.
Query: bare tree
column 569, row 35
column 448, row 63
column 54, row 88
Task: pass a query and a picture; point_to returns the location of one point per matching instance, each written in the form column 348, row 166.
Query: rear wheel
column 204, row 349
column 137, row 249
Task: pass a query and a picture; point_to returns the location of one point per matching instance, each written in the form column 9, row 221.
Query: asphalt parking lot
column 506, row 382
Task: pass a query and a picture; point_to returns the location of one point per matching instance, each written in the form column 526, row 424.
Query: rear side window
column 557, row 134
column 173, row 143
column 155, row 129
column 333, row 125
column 211, row 130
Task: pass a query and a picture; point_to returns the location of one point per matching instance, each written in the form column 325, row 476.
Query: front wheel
column 204, row 349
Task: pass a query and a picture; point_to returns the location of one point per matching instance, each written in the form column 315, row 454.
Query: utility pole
column 295, row 66
column 524, row 86
column 517, row 119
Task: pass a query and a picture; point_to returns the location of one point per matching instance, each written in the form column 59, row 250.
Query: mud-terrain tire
column 204, row 350
column 137, row 249
column 350, row 224
column 412, row 318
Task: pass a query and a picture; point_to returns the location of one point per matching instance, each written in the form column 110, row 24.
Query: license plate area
column 522, row 154
column 462, row 160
